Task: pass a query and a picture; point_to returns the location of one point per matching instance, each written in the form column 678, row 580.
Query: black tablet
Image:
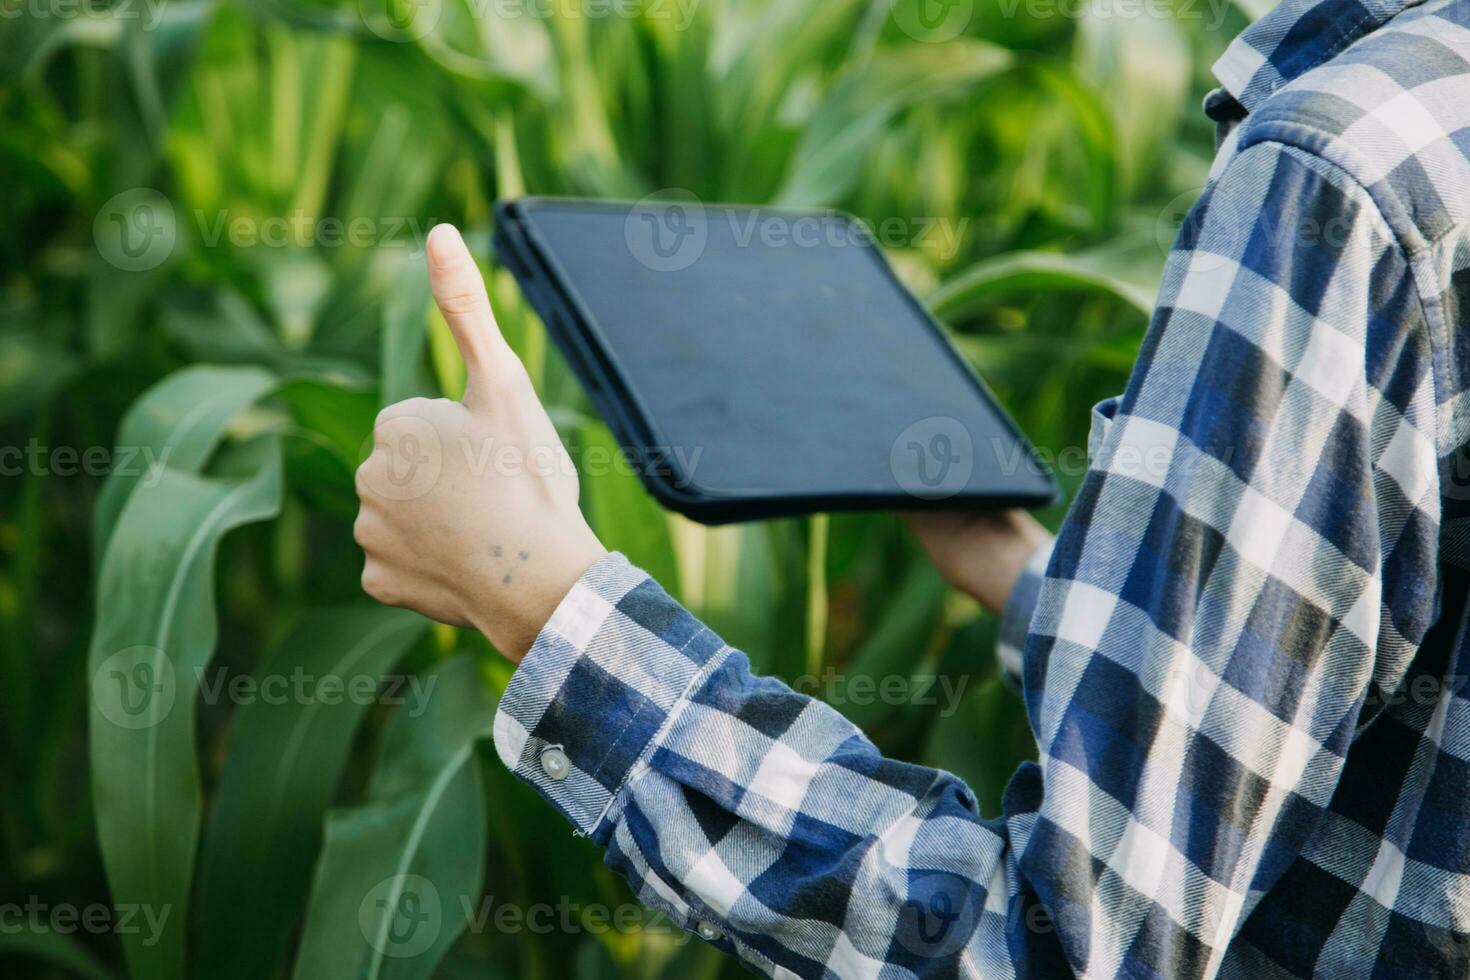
column 757, row 363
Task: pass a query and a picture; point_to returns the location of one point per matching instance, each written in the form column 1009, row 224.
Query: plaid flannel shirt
column 1245, row 661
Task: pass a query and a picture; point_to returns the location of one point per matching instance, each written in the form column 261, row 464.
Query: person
column 1243, row 657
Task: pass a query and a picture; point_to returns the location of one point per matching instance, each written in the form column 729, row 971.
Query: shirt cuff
column 1015, row 619
column 588, row 703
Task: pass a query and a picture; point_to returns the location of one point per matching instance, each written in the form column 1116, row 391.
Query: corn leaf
column 176, row 424
column 399, row 873
column 988, row 283
column 286, row 755
column 836, row 144
column 621, row 511
column 155, row 632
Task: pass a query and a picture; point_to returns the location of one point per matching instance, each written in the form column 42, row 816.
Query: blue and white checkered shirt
column 1245, row 663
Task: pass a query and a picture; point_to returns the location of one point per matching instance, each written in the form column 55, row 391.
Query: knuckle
column 376, row 583
column 462, row 300
column 511, row 385
column 416, row 407
column 518, row 382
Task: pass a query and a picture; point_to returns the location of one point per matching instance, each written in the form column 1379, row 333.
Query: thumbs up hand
column 469, row 509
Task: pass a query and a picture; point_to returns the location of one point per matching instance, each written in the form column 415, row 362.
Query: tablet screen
column 775, row 354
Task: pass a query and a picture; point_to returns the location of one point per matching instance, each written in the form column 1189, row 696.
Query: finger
column 417, row 408
column 378, row 584
column 460, row 294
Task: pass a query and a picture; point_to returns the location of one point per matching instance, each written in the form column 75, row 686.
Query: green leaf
column 286, row 755
column 983, row 742
column 1018, row 274
column 764, row 47
column 399, row 873
column 225, row 328
column 1084, row 136
column 898, row 641
column 621, row 511
column 341, row 414
column 55, row 948
column 405, row 331
column 1143, row 65
column 32, row 369
column 835, row 146
column 158, row 55
column 155, row 632
column 175, row 425
column 490, row 45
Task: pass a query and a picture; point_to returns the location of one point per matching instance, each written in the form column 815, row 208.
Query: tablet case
column 756, row 363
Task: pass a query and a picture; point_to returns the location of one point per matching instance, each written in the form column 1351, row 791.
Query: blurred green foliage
column 1025, row 165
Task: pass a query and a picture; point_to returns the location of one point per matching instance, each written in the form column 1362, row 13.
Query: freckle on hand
column 506, row 580
column 496, row 551
column 525, row 555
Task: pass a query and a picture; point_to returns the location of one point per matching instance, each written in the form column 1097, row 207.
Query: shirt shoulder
column 1392, row 111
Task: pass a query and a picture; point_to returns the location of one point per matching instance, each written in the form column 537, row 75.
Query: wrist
column 520, row 607
column 1011, row 539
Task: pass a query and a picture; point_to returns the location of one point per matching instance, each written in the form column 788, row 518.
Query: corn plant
column 213, row 280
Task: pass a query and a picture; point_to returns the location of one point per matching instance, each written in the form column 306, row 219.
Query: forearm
column 989, row 571
column 747, row 812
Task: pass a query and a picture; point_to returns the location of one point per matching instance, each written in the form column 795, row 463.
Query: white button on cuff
column 709, row 932
column 554, row 763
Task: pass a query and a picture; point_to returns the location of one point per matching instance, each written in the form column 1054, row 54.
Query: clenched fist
column 469, row 509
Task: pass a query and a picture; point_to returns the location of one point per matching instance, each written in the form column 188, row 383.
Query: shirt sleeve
column 758, row 818
column 1015, row 619
column 1250, row 555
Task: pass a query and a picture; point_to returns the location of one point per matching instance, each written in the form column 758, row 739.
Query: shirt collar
column 1294, row 38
